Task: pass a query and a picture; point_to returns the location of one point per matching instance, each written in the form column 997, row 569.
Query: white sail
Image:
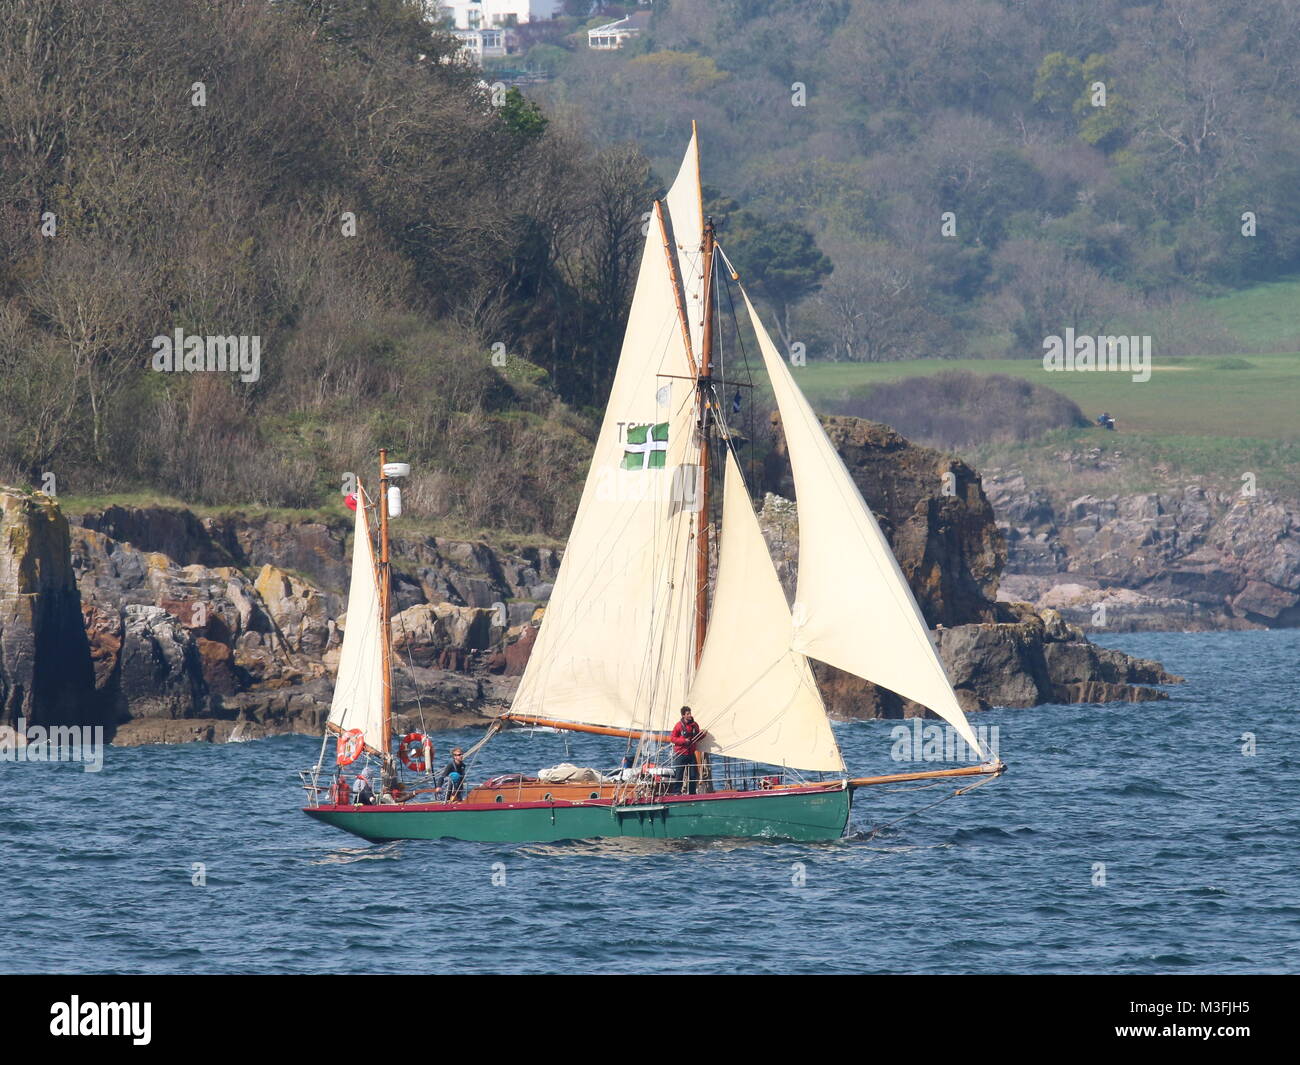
column 853, row 607
column 616, row 646
column 754, row 696
column 359, row 688
column 686, row 215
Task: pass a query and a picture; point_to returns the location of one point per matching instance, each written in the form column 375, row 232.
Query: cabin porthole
column 594, row 795
column 547, row 797
column 501, row 798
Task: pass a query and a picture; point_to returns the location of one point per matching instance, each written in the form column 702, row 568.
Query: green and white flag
column 646, row 447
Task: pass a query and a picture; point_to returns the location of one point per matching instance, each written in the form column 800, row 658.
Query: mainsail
column 616, row 647
column 754, row 696
column 853, row 607
column 359, row 690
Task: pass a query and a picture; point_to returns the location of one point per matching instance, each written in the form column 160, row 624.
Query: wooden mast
column 385, row 630
column 704, row 388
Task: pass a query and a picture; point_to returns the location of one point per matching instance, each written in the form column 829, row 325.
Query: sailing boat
column 630, row 636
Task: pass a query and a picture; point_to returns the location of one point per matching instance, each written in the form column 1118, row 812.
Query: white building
column 485, row 14
column 488, row 43
column 613, row 35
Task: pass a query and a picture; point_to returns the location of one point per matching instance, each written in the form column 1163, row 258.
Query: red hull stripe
column 456, row 807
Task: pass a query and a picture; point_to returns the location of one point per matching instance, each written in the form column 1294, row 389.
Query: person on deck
column 340, row 791
column 686, row 734
column 362, row 793
column 454, row 775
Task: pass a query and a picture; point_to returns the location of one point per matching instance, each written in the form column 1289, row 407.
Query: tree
column 778, row 261
column 521, row 116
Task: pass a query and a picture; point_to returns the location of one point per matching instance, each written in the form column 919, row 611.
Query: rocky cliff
column 45, row 664
column 169, row 627
column 1192, row 559
column 942, row 528
column 223, row 641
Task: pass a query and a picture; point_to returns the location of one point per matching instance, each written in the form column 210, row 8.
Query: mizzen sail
column 853, row 607
column 359, row 689
column 753, row 695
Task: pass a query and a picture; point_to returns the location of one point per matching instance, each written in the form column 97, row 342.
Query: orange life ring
column 350, row 746
column 411, row 751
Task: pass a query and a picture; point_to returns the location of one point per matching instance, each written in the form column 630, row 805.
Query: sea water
column 1124, row 838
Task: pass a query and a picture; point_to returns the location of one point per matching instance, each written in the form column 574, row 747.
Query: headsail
column 616, row 647
column 754, row 696
column 359, row 689
column 853, row 607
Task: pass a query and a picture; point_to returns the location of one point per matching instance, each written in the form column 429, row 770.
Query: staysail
column 853, row 607
column 359, row 689
column 616, row 646
column 753, row 695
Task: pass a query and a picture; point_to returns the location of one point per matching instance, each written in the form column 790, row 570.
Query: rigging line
column 939, row 802
column 744, row 358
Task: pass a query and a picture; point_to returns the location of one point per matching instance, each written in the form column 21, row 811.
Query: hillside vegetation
column 979, row 173
column 321, row 175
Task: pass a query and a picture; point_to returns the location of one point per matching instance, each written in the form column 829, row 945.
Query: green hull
column 802, row 814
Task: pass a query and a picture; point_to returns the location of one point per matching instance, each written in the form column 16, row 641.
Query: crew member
column 686, row 734
column 340, row 791
column 454, row 775
column 362, row 793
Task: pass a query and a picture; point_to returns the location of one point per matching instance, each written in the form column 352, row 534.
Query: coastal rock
column 298, row 612
column 931, row 507
column 46, row 674
column 160, row 673
column 191, row 647
column 1193, row 558
column 445, row 635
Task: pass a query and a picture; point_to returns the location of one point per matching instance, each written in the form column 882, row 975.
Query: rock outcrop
column 1190, row 559
column 931, row 507
column 46, row 675
column 183, row 649
column 168, row 627
column 942, row 529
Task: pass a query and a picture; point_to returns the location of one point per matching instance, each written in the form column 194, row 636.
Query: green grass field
column 1206, row 419
column 1255, row 396
column 1264, row 317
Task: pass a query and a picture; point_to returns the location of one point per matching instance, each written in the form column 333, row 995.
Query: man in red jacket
column 686, row 734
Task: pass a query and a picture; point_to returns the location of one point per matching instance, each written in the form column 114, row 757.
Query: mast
column 704, row 387
column 385, row 632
